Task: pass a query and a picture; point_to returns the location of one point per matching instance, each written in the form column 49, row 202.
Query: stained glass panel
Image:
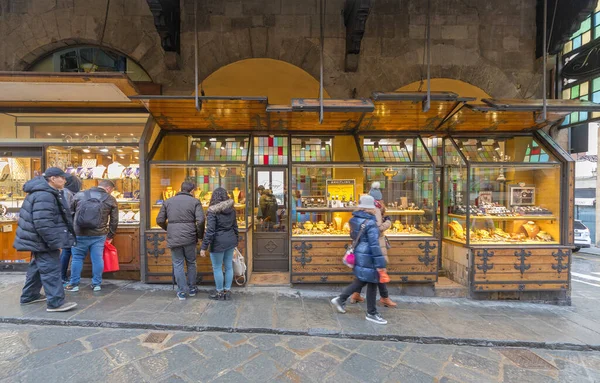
column 204, row 149
column 270, row 150
column 311, row 150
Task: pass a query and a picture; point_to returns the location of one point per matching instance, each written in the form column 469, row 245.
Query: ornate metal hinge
column 155, row 240
column 559, row 256
column 522, row 255
column 324, row 278
column 427, row 247
column 485, row 256
column 303, row 248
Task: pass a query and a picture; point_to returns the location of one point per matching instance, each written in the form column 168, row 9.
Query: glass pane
column 596, row 96
column 575, row 91
column 567, row 120
column 574, row 117
column 596, row 18
column 218, row 149
column 323, row 199
column 270, row 150
column 566, row 94
column 585, row 25
column 166, row 180
column 596, row 32
column 583, row 116
column 595, row 114
column 455, row 198
column 436, row 148
column 585, row 98
column 394, row 150
column 586, row 37
column 515, row 206
column 313, row 149
column 270, row 209
column 576, row 42
column 513, row 149
column 584, row 88
column 568, row 47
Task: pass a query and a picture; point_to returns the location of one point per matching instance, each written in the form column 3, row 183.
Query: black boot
column 216, row 295
column 227, row 295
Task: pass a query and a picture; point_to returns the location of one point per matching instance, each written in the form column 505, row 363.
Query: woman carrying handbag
column 222, row 237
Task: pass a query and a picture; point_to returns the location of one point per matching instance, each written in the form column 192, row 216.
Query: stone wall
column 488, row 44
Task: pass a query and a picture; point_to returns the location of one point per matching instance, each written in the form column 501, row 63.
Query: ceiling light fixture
column 104, row 150
column 136, row 150
column 402, row 145
column 376, row 145
column 303, row 144
column 496, row 146
column 479, row 146
column 242, row 144
column 207, row 145
column 223, row 144
column 323, row 144
column 86, row 150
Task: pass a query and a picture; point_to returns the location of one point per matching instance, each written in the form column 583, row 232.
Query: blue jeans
column 95, row 245
column 218, row 260
column 65, row 259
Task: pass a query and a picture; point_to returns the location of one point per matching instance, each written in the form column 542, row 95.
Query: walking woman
column 222, row 237
column 369, row 260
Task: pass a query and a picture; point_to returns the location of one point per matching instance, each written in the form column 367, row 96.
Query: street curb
column 316, row 332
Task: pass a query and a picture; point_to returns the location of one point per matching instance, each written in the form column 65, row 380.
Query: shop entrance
column 270, row 246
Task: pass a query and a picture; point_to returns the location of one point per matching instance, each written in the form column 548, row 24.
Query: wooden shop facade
column 475, row 187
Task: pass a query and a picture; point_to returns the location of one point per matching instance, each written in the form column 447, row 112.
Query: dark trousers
column 44, row 271
column 383, row 291
column 65, row 259
column 357, row 285
column 181, row 255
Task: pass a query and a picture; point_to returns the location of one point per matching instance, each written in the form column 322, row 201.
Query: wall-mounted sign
column 584, row 65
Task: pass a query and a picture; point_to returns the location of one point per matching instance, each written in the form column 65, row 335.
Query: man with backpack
column 96, row 220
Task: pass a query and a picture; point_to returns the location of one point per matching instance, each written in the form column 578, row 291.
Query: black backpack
column 89, row 214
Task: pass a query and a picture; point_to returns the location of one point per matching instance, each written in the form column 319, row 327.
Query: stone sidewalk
column 56, row 354
column 307, row 312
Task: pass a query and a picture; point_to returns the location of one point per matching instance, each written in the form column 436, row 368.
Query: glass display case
column 323, row 197
column 119, row 164
column 223, row 164
column 502, row 191
column 16, row 168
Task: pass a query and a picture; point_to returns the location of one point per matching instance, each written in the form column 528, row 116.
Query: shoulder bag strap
column 360, row 233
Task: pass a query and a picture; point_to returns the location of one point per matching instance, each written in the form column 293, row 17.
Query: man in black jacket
column 96, row 221
column 183, row 219
column 45, row 227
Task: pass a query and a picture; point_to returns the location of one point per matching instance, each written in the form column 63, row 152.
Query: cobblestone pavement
column 73, row 354
column 416, row 319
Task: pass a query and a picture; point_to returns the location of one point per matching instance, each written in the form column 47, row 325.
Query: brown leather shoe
column 387, row 302
column 356, row 298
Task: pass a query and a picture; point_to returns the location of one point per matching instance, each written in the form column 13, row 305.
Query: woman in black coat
column 222, row 237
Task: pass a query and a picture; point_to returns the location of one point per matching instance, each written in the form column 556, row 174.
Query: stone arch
column 60, row 46
column 279, row 80
column 53, row 25
column 462, row 88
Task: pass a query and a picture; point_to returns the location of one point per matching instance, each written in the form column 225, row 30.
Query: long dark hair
column 218, row 195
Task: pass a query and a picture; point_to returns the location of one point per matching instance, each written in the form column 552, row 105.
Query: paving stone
column 230, row 377
column 303, row 345
column 384, row 355
column 108, row 337
column 12, row 347
column 235, row 356
column 439, row 352
column 234, row 339
column 261, row 369
column 422, row 362
column 53, row 355
column 189, row 306
column 127, row 373
column 516, row 374
column 289, row 314
column 209, row 345
column 403, row 373
column 10, row 370
column 180, row 337
column 127, row 351
column 570, row 372
column 320, row 314
column 398, row 346
column 316, row 365
column 257, row 312
column 265, row 342
column 169, row 361
column 52, row 336
column 284, row 357
column 465, row 375
column 591, row 360
column 173, row 379
column 335, row 351
column 365, row 369
column 486, row 352
column 293, row 376
column 219, row 313
column 92, row 366
column 205, row 370
column 339, row 375
column 476, row 362
column 348, row 344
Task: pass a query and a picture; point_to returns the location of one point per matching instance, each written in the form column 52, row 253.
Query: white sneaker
column 64, row 307
column 376, row 319
column 339, row 306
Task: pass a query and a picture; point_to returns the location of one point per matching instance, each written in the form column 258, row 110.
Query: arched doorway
column 278, row 80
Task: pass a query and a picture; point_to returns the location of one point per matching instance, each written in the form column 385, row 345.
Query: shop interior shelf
column 514, row 218
column 342, row 209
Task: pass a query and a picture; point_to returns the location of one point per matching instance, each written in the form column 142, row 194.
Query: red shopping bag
column 110, row 257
